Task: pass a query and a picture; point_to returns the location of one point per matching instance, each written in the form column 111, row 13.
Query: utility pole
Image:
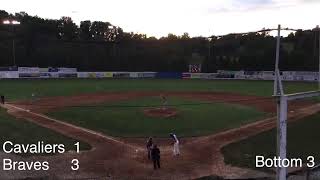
column 318, row 28
column 278, row 90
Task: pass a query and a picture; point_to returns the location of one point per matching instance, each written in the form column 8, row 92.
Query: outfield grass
column 23, row 88
column 303, row 141
column 194, row 119
column 23, row 132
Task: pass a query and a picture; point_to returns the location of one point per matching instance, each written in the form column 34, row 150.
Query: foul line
column 73, row 126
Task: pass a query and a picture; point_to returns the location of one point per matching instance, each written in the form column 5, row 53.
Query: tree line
column 101, row 46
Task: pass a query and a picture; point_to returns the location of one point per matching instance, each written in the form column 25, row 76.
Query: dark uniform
column 2, row 99
column 155, row 154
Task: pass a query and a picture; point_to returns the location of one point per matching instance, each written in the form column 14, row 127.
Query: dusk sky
column 197, row 17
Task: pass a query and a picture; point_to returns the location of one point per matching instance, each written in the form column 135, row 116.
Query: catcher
column 149, row 147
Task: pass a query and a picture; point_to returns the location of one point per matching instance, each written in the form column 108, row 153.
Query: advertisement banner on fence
column 226, row 74
column 14, row 68
column 287, row 77
column 59, row 69
column 310, row 78
column 92, row 75
column 29, row 75
column 199, row 75
column 195, row 75
column 3, row 75
column 121, row 75
column 108, row 74
column 305, row 73
column 146, row 74
column 96, row 74
column 45, row 75
column 67, row 75
column 134, row 75
column 28, row 69
column 9, row 74
column 54, row 74
column 268, row 75
column 53, row 69
column 208, row 75
column 169, row 75
column 186, row 75
column 67, row 70
column 44, row 69
column 83, row 75
column 100, row 74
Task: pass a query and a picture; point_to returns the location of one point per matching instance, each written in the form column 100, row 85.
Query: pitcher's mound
column 160, row 112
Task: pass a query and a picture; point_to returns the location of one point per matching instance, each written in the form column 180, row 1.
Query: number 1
column 78, row 146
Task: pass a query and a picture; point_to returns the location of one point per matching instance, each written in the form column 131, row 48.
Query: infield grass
column 23, row 88
column 23, row 132
column 303, row 141
column 123, row 118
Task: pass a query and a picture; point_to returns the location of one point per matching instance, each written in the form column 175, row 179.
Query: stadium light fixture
column 12, row 22
column 15, row 22
column 6, row 22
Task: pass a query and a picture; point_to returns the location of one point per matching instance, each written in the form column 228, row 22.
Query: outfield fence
column 62, row 72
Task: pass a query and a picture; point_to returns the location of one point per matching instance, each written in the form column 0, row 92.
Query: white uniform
column 176, row 149
column 33, row 97
column 164, row 103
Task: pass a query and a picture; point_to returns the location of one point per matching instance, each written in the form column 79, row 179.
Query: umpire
column 155, row 154
column 2, row 99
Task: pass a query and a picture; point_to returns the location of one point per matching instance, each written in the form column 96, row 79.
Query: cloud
column 240, row 5
column 251, row 3
column 309, row 1
column 256, row 5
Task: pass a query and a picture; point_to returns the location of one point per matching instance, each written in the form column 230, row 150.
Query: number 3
column 75, row 164
column 311, row 161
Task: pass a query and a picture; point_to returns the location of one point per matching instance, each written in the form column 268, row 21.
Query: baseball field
column 222, row 125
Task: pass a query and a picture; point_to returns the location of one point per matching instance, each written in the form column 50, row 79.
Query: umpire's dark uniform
column 155, row 154
column 2, row 99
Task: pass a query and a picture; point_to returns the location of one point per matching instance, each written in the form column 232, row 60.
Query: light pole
column 12, row 23
column 318, row 28
column 209, row 48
